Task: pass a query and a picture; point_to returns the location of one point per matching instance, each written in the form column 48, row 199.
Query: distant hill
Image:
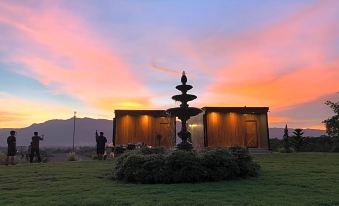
column 59, row 133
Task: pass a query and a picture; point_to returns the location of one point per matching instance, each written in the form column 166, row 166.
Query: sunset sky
column 92, row 57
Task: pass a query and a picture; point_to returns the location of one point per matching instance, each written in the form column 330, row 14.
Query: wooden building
column 230, row 126
column 151, row 127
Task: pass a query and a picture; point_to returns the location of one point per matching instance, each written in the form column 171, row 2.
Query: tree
column 298, row 140
column 286, row 141
column 332, row 123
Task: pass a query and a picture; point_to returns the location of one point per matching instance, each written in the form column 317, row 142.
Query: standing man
column 11, row 150
column 35, row 146
column 101, row 141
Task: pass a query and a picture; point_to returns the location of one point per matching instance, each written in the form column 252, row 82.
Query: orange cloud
column 125, row 103
column 17, row 112
column 281, row 65
column 296, row 87
column 275, row 119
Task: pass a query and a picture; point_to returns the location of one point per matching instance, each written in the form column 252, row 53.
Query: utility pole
column 74, row 129
column 113, row 132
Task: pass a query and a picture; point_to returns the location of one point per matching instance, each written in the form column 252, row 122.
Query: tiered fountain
column 184, row 112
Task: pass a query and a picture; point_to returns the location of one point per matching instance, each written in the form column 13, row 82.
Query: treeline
column 308, row 144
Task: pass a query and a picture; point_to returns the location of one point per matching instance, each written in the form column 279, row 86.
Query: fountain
column 184, row 112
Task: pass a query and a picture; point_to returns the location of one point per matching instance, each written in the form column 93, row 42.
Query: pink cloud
column 78, row 61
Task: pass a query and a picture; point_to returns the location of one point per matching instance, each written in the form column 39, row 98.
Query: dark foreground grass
column 286, row 179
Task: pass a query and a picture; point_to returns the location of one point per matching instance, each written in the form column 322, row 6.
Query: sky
column 92, row 57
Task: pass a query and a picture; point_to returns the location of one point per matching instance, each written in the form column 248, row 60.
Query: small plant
column 72, row 157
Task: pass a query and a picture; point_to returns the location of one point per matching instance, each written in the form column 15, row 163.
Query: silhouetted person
column 101, row 141
column 35, row 147
column 11, row 150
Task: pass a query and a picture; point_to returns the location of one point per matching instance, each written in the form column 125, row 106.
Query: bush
column 153, row 150
column 247, row 167
column 72, row 157
column 154, row 165
column 184, row 166
column 219, row 164
column 131, row 146
column 119, row 150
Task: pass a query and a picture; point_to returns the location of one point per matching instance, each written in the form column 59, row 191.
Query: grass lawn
column 286, row 179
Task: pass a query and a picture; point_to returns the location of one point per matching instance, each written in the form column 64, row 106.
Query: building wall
column 230, row 129
column 145, row 128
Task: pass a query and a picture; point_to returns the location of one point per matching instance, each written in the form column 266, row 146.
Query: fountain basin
column 184, row 97
column 184, row 87
column 184, row 112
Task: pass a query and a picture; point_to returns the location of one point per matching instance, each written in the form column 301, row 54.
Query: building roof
column 243, row 110
column 154, row 113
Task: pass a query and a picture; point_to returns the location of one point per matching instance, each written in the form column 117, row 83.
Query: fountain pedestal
column 184, row 112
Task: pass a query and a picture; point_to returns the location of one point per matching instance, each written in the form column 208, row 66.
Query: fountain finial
column 183, row 78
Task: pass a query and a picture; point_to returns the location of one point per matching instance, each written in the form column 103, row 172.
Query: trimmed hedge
column 154, row 165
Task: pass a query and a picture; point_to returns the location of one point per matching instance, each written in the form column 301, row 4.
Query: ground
column 286, row 179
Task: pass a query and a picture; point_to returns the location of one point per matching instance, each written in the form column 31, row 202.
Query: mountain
column 59, row 133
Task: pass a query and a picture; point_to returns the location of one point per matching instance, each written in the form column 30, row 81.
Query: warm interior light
column 193, row 125
column 144, row 120
column 214, row 116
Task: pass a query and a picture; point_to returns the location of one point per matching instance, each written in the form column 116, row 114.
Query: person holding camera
column 35, row 147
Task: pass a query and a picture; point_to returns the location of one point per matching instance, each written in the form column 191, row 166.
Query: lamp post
column 74, row 129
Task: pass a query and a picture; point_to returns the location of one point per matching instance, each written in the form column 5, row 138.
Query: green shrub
column 247, row 167
column 153, row 165
column 118, row 150
column 137, row 167
column 220, row 164
column 72, row 157
column 131, row 146
column 153, row 150
column 184, row 166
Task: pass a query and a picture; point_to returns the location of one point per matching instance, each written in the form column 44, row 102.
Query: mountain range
column 59, row 133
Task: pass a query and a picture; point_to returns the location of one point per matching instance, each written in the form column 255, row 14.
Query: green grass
column 286, row 179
